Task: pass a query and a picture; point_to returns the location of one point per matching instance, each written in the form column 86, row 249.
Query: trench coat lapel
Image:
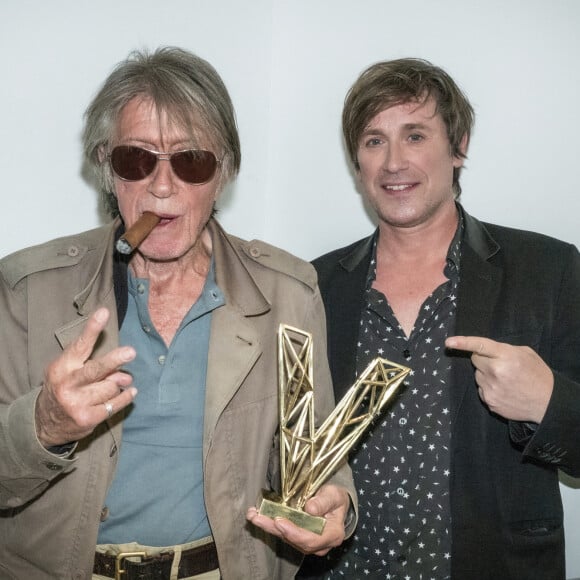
column 234, row 344
column 97, row 292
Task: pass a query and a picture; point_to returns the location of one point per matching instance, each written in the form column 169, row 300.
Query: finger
column 118, row 403
column 303, row 540
column 77, row 352
column 92, row 372
column 87, row 416
column 107, row 389
column 478, row 345
column 309, row 542
column 331, row 498
column 81, row 349
column 109, row 409
column 280, row 527
column 104, row 367
column 264, row 522
column 328, row 500
column 319, row 506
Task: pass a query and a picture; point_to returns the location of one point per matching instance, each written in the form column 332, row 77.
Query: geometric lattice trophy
column 309, row 456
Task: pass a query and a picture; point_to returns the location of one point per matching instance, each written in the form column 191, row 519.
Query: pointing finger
column 478, row 345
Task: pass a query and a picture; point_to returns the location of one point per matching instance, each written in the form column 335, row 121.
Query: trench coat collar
column 232, row 276
column 234, row 345
column 98, row 290
column 234, row 340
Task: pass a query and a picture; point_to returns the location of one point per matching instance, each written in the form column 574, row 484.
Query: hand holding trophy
column 309, row 456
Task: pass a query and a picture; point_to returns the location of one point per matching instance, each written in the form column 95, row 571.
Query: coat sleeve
column 26, row 467
column 555, row 441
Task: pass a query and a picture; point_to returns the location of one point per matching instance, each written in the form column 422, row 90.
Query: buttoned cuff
column 31, row 458
column 522, row 432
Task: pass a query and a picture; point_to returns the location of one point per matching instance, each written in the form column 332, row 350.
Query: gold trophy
column 309, row 456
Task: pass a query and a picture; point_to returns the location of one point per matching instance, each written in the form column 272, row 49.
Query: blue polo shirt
column 156, row 498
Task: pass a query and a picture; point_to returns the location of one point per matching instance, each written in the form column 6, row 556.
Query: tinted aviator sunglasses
column 132, row 163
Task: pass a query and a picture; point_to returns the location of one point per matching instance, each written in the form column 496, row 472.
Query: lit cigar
column 131, row 239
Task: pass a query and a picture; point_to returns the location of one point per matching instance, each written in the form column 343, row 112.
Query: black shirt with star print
column 401, row 466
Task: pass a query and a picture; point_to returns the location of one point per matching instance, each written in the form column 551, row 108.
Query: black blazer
column 520, row 288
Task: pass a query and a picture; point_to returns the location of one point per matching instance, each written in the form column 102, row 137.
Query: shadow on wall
column 572, row 483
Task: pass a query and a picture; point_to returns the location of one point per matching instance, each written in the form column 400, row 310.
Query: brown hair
column 393, row 82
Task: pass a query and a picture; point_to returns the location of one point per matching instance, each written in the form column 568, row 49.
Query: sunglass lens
column 132, row 163
column 194, row 166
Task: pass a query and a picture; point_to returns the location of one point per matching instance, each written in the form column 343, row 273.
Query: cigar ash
column 135, row 235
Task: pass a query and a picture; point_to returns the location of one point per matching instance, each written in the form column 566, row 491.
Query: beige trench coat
column 50, row 507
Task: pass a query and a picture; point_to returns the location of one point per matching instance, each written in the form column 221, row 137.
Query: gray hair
column 182, row 85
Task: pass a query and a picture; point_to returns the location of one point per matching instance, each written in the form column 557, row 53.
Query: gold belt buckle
column 119, row 561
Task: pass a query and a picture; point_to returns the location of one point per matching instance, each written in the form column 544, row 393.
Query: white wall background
column 288, row 65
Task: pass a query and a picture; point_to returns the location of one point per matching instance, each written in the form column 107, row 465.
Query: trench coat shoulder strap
column 265, row 255
column 59, row 253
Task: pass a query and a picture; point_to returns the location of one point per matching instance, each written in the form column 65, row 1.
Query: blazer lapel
column 478, row 291
column 344, row 295
column 480, row 282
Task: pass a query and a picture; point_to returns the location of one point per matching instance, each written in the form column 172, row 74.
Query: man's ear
column 464, row 144
column 101, row 154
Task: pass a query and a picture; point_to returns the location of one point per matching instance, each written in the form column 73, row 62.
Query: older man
column 138, row 395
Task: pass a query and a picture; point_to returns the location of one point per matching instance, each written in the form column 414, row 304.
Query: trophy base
column 275, row 509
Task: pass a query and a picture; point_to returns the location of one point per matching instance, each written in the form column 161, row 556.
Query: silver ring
column 109, row 409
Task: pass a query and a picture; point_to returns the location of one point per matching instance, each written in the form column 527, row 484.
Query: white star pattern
column 406, row 455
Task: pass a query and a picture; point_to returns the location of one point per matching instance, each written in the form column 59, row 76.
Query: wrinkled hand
column 513, row 381
column 331, row 502
column 72, row 400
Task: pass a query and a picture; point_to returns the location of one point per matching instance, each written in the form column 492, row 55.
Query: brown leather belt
column 193, row 561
